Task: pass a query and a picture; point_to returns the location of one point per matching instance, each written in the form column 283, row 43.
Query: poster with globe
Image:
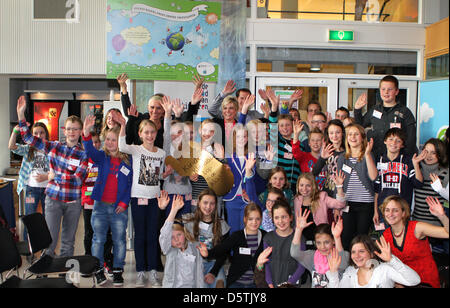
column 163, row 39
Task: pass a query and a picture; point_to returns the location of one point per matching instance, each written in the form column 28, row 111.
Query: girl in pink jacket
column 318, row 202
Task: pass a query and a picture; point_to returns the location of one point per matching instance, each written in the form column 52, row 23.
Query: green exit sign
column 341, row 35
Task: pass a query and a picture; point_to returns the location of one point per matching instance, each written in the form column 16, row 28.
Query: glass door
column 321, row 90
column 351, row 89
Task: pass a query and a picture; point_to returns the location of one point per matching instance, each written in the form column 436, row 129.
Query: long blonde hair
column 315, row 193
column 348, row 151
column 122, row 156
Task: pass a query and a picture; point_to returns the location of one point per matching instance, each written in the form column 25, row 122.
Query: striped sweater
column 421, row 209
column 285, row 156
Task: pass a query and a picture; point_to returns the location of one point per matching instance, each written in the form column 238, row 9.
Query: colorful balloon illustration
column 118, row 43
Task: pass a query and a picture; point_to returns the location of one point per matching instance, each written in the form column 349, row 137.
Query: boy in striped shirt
column 283, row 138
column 68, row 163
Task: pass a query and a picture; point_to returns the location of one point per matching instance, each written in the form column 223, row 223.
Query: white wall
column 61, row 48
column 52, row 47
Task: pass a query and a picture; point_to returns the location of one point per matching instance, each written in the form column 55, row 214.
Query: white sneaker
column 140, row 280
column 153, row 278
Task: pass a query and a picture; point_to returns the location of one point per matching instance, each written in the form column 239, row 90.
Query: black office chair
column 10, row 260
column 39, row 239
column 22, row 246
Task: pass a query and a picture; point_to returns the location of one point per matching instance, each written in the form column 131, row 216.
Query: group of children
column 305, row 197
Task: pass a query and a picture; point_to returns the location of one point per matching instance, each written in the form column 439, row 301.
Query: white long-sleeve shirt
column 384, row 275
column 437, row 186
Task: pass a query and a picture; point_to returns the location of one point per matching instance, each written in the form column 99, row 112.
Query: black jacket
column 240, row 263
column 132, row 127
column 398, row 114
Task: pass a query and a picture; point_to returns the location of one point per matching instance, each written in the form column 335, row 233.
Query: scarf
column 320, row 263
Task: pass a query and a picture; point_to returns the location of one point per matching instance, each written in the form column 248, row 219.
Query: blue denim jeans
column 104, row 216
column 32, row 197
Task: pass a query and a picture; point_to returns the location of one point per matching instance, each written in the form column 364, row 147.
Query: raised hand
column 264, row 256
column 270, row 152
column 334, row 260
column 177, row 107
column 274, row 100
column 361, row 101
column 167, row 105
column 302, row 219
column 163, row 200
column 262, row 93
column 122, row 80
column 298, row 127
column 265, row 108
column 21, row 107
column 435, row 206
column 337, row 227
column 338, row 178
column 203, row 249
column 249, row 163
column 247, row 103
column 89, row 122
column 385, row 249
column 229, row 88
column 418, row 158
column 369, row 147
column 177, row 203
column 197, row 96
column 327, row 151
column 297, row 95
column 434, row 177
column 117, row 117
column 132, row 111
column 198, row 81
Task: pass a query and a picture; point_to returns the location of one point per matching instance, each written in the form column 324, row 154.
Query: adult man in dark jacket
column 386, row 115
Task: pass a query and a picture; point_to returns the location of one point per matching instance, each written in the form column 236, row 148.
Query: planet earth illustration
column 175, row 41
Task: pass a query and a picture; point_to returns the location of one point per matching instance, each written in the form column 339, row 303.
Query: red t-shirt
column 416, row 254
column 110, row 191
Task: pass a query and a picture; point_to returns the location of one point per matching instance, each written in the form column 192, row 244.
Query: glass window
column 350, row 10
column 373, row 97
column 304, row 60
column 310, row 94
column 437, row 67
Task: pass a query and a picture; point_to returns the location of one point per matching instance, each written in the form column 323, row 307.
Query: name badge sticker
column 382, row 166
column 142, row 201
column 245, row 251
column 347, row 168
column 125, row 170
column 74, row 162
column 203, row 226
column 189, row 257
column 377, row 114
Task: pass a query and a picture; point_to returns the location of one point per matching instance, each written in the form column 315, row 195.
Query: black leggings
column 358, row 220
